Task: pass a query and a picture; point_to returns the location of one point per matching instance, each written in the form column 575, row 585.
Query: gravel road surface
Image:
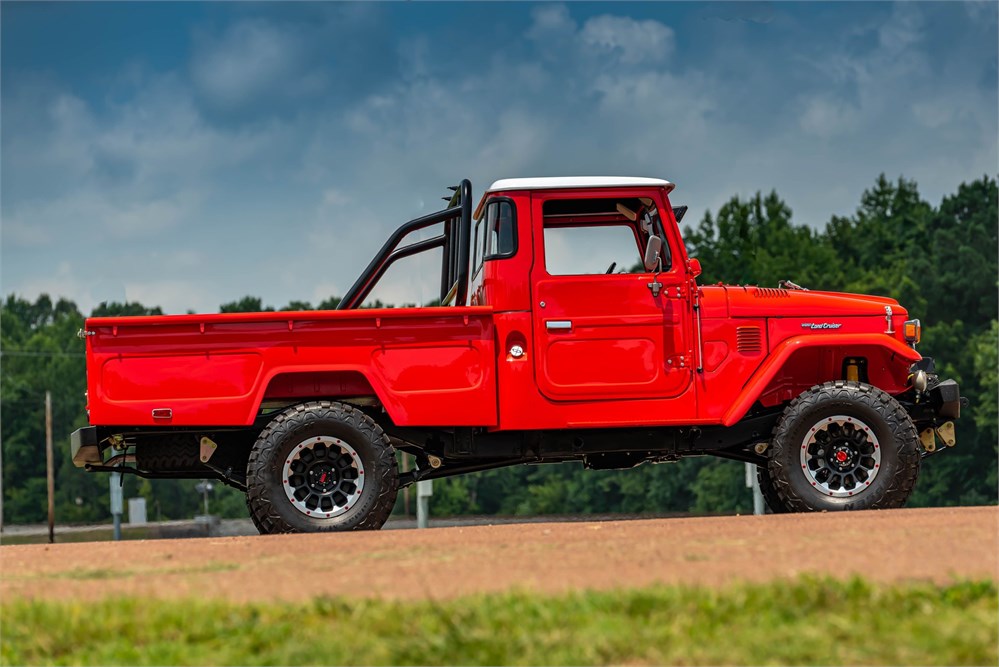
column 939, row 544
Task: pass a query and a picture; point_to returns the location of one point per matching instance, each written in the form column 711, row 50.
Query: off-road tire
column 769, row 491
column 895, row 432
column 269, row 506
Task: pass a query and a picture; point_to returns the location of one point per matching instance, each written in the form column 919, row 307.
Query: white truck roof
column 554, row 182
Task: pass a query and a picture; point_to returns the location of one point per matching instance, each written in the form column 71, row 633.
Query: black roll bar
column 455, row 240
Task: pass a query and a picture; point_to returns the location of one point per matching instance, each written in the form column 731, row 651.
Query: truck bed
column 221, row 369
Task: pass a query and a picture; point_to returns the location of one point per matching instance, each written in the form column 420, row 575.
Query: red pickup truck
column 571, row 328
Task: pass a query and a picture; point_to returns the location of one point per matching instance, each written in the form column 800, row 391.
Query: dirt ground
column 921, row 544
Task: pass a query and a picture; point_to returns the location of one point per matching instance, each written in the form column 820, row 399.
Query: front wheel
column 843, row 446
column 321, row 466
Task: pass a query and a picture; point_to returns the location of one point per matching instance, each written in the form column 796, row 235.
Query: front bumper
column 945, row 400
column 85, row 447
column 934, row 413
column 941, row 402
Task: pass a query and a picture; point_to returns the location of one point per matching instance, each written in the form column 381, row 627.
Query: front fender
column 785, row 349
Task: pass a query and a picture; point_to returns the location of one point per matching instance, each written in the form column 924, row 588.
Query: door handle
column 558, row 325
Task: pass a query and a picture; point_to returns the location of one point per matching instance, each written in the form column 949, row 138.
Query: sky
column 188, row 154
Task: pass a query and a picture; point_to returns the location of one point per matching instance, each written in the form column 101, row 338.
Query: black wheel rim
column 323, row 477
column 840, row 456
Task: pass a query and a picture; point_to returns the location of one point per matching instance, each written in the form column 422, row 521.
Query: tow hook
column 928, row 440
column 945, row 432
column 208, row 448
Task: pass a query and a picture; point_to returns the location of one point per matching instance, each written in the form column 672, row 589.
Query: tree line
column 939, row 262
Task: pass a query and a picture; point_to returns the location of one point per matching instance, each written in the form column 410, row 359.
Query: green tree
column 754, row 242
column 720, row 487
column 985, row 347
column 959, row 256
column 329, row 304
column 298, row 305
column 127, row 309
column 248, row 304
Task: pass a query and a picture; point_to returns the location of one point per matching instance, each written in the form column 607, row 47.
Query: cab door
column 599, row 335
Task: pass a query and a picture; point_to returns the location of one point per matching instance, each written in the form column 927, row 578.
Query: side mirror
column 652, row 253
column 694, row 267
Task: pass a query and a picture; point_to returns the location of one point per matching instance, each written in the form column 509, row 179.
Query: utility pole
column 753, row 482
column 424, row 489
column 117, row 504
column 405, row 492
column 49, row 468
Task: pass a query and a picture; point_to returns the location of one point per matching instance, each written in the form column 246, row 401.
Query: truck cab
column 571, row 327
column 561, row 262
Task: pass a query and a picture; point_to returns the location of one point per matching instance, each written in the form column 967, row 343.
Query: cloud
column 622, row 39
column 629, row 40
column 254, row 59
column 825, row 117
column 746, row 10
column 136, row 170
column 190, row 292
column 550, row 22
column 23, row 234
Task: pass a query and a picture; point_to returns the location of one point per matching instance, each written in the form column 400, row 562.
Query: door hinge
column 680, row 361
column 675, row 292
column 83, row 333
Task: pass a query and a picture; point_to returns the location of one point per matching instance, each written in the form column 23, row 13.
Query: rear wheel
column 321, row 466
column 842, row 446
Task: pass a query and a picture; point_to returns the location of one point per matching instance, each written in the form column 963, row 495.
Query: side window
column 599, row 235
column 500, row 233
column 495, row 233
column 477, row 246
column 573, row 251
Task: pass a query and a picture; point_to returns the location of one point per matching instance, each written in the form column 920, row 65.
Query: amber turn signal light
column 913, row 331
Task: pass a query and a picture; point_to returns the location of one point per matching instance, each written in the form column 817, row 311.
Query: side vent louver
column 769, row 292
column 748, row 340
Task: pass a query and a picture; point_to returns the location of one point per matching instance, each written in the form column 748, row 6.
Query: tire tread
column 262, row 511
column 894, row 415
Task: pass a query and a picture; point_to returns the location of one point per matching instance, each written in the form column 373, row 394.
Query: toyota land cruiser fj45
column 571, row 328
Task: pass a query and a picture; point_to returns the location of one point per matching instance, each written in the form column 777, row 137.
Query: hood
column 742, row 301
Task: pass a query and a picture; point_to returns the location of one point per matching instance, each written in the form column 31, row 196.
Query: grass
column 805, row 621
column 81, row 573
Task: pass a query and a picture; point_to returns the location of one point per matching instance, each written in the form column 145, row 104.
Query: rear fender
column 311, row 384
column 896, row 355
column 299, row 385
